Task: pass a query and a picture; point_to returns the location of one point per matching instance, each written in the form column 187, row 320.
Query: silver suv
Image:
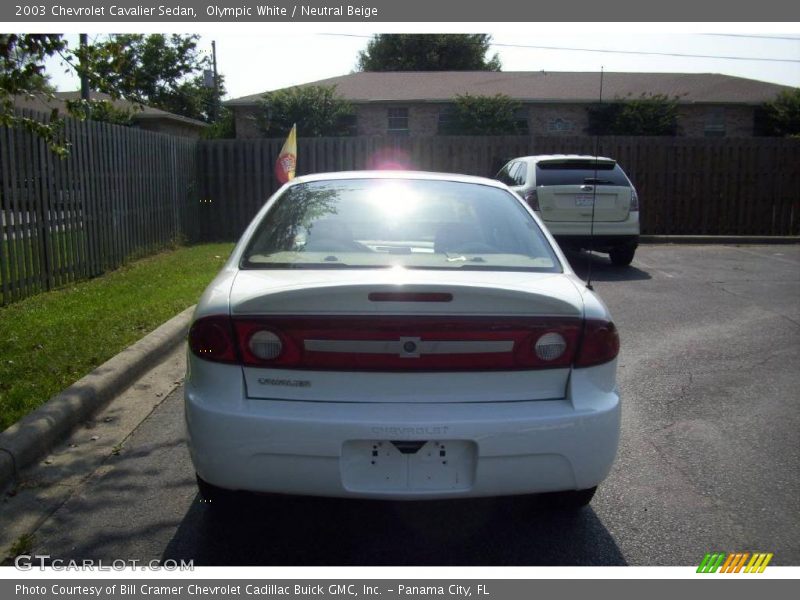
column 585, row 201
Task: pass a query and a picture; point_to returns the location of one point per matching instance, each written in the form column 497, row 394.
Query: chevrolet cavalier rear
column 400, row 336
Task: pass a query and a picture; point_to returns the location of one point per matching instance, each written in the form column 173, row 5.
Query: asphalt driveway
column 709, row 458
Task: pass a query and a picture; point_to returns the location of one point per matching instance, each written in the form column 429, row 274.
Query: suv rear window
column 579, row 173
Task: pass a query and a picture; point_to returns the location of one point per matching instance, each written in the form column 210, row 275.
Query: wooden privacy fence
column 120, row 193
column 124, row 192
column 701, row 186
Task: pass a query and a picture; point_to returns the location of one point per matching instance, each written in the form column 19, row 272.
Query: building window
column 398, row 121
column 715, row 122
column 350, row 124
column 447, row 116
column 521, row 121
column 559, row 125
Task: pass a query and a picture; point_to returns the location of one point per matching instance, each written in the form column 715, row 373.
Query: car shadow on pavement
column 601, row 267
column 288, row 530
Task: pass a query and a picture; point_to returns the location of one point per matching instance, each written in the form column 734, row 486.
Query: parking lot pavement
column 709, row 456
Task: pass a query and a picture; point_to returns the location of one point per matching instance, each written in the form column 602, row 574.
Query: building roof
column 139, row 112
column 541, row 86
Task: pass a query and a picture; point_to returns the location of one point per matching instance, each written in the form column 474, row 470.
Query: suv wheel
column 621, row 256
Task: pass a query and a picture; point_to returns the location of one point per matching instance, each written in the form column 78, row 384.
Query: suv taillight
column 532, row 198
column 599, row 343
column 634, row 200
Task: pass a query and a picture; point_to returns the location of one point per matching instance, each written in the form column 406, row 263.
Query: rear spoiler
column 589, row 163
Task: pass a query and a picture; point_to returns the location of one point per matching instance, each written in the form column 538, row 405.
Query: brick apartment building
column 418, row 103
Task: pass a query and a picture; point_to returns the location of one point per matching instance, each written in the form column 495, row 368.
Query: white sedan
column 400, row 335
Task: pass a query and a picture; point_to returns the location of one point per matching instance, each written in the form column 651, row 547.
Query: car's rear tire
column 570, row 500
column 621, row 256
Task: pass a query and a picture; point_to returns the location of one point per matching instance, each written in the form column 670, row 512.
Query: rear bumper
column 322, row 448
column 601, row 235
column 602, row 243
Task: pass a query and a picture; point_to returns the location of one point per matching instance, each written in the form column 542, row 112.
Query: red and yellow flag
column 287, row 159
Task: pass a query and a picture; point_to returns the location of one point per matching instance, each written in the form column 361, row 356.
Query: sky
column 254, row 62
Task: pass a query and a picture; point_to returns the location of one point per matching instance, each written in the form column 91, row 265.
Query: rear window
column 375, row 223
column 580, row 173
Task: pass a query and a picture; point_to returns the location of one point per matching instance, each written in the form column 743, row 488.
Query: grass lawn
column 49, row 341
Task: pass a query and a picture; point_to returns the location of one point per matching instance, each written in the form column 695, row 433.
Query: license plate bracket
column 381, row 465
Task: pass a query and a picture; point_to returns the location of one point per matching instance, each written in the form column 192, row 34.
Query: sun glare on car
column 395, row 200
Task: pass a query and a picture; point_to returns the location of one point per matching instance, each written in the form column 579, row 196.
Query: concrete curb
column 36, row 433
column 719, row 239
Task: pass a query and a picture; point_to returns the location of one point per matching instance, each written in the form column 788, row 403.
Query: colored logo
column 734, row 562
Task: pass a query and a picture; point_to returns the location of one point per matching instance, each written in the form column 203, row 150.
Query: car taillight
column 265, row 345
column 532, row 198
column 599, row 344
column 634, row 200
column 262, row 343
column 389, row 343
column 550, row 346
column 382, row 343
column 211, row 338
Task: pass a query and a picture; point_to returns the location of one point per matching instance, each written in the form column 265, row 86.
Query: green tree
column 158, row 70
column 21, row 62
column 223, row 128
column 163, row 71
column 22, row 74
column 654, row 114
column 317, row 109
column 486, row 115
column 782, row 115
column 428, row 52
